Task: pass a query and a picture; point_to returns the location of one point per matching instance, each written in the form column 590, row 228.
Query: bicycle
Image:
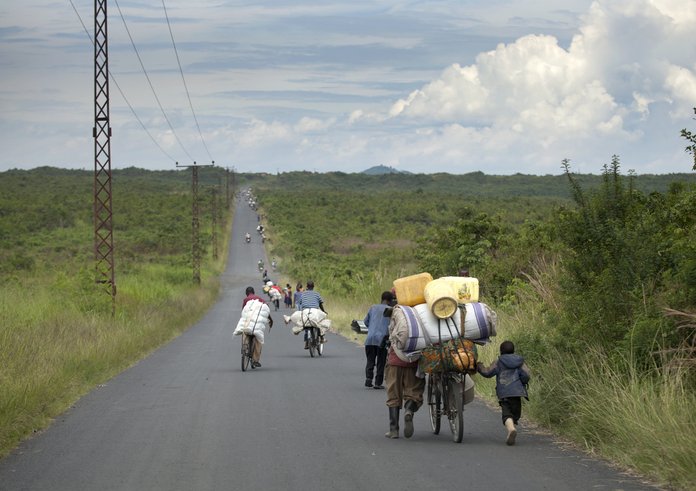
column 447, row 383
column 446, row 397
column 314, row 341
column 247, row 351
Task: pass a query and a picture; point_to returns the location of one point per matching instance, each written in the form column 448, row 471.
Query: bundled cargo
column 466, row 288
column 456, row 355
column 443, row 295
column 441, row 298
column 409, row 289
column 404, row 331
column 401, row 325
column 414, row 328
column 254, row 320
column 275, row 293
column 308, row 318
column 479, row 321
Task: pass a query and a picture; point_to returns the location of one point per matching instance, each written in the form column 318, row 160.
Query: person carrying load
column 256, row 356
column 311, row 299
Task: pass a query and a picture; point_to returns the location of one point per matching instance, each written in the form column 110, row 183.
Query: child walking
column 511, row 378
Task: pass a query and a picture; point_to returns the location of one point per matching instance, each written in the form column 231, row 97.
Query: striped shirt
column 309, row 300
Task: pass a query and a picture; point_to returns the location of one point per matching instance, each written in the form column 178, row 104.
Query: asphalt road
column 187, row 418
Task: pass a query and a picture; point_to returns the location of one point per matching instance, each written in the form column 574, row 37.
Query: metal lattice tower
column 103, row 212
column 195, row 227
column 214, row 212
column 195, row 222
column 227, row 188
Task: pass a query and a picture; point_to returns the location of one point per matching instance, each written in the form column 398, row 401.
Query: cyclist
column 247, row 237
column 310, row 299
column 260, row 265
column 256, row 355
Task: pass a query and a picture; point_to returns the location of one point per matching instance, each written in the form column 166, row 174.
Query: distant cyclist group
column 448, row 362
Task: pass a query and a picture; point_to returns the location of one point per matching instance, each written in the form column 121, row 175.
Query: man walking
column 375, row 343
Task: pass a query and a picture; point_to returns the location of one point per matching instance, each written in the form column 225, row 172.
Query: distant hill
column 383, row 169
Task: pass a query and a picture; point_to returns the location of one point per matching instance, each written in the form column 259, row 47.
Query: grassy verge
column 641, row 421
column 53, row 351
column 58, row 339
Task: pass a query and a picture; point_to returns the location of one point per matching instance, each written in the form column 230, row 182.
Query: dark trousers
column 512, row 408
column 375, row 356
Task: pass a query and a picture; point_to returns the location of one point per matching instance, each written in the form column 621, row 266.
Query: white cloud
column 345, row 85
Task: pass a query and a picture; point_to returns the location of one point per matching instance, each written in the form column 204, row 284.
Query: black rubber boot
column 393, row 423
column 410, row 407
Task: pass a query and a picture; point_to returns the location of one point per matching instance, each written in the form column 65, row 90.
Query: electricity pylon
column 103, row 211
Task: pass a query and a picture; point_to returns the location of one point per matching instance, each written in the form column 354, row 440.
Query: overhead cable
column 150, row 82
column 188, row 95
column 113, row 79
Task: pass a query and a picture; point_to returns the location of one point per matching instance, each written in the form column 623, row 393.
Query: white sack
column 254, row 320
column 406, row 329
column 449, row 328
column 308, row 317
column 414, row 328
column 479, row 321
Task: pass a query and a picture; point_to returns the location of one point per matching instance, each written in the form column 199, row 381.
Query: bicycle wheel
column 455, row 409
column 434, row 402
column 247, row 349
column 320, row 345
column 312, row 342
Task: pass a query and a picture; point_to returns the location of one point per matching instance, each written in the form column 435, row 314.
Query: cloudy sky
column 455, row 86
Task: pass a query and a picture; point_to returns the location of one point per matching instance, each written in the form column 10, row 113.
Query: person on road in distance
column 247, row 237
column 405, row 388
column 310, row 299
column 376, row 340
column 296, row 296
column 256, row 355
column 511, row 378
column 287, row 299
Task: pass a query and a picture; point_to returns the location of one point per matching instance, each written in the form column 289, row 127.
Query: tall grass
column 640, row 419
column 58, row 338
column 52, row 351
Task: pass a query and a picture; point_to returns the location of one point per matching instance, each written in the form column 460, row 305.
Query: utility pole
column 234, row 183
column 195, row 222
column 101, row 132
column 227, row 187
column 214, row 193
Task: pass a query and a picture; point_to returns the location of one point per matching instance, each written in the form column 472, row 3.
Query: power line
column 171, row 34
column 113, row 79
column 150, row 82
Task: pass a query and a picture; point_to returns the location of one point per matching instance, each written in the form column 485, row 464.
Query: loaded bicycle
column 313, row 336
column 446, row 397
column 247, row 351
column 446, row 370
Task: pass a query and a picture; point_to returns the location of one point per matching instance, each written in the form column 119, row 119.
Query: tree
column 691, row 138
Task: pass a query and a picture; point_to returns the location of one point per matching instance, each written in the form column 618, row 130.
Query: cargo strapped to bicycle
column 456, row 354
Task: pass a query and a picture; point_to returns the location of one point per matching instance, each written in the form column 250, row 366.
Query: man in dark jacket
column 375, row 342
column 511, row 378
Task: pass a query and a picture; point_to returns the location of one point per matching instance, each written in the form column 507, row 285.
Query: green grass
column 642, row 421
column 55, row 348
